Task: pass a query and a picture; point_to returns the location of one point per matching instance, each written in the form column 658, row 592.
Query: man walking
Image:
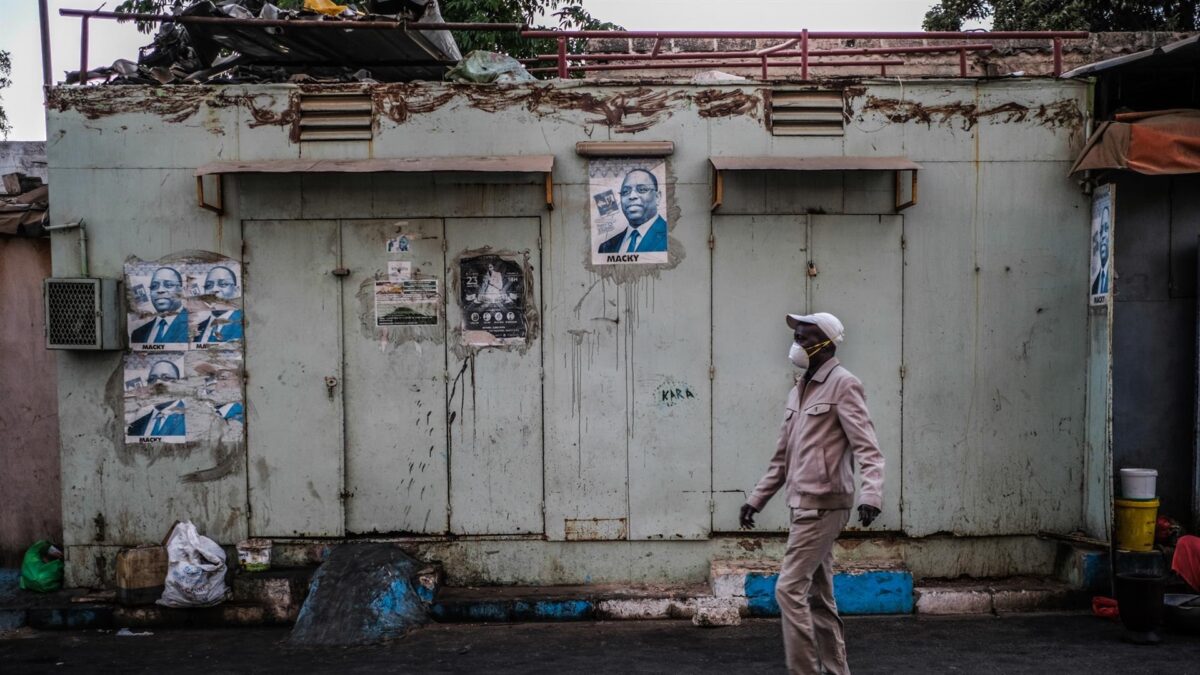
column 825, row 425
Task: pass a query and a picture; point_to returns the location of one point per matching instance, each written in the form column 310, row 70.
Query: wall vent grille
column 336, row 117
column 806, row 113
column 83, row 313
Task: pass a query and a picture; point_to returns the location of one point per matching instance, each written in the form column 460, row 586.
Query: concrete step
column 271, row 597
column 872, row 587
column 1000, row 596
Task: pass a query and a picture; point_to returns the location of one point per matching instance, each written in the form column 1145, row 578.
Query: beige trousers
column 812, row 629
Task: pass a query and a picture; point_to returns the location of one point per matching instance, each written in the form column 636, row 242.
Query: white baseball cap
column 828, row 323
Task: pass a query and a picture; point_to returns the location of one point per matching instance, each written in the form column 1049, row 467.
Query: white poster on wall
column 1101, row 268
column 628, row 210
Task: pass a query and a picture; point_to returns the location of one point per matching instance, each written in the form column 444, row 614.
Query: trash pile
column 24, row 201
column 250, row 52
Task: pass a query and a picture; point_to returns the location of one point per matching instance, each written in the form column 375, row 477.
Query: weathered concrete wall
column 30, row 497
column 989, row 323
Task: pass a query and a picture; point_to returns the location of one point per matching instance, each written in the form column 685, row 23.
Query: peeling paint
column 625, row 111
column 1064, row 113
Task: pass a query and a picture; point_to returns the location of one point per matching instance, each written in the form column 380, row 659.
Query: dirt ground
column 1045, row 643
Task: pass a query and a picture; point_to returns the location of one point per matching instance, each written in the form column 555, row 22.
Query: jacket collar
column 825, row 369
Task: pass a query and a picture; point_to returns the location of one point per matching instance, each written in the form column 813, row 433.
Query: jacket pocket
column 817, row 409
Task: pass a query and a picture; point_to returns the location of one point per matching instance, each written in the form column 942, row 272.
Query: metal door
column 859, row 277
column 759, row 275
column 294, row 377
column 395, row 391
column 495, row 393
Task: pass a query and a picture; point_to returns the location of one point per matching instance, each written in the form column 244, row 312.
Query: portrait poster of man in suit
column 214, row 309
column 160, row 421
column 1101, row 267
column 628, row 210
column 158, row 319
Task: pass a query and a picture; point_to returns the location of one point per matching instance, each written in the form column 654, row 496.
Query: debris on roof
column 486, row 67
column 25, row 212
column 244, row 51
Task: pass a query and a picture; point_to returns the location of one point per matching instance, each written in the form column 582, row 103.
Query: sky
column 110, row 40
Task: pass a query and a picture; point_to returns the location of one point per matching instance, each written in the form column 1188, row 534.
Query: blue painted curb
column 867, row 592
column 514, row 610
column 11, row 619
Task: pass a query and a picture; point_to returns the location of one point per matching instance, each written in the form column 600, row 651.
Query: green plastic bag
column 42, row 577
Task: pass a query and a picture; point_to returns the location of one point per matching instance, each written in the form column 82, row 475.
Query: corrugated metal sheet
column 1174, row 54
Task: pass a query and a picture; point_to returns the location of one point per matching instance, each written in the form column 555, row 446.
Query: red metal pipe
column 295, row 23
column 804, row 54
column 83, row 51
column 1058, row 56
column 711, row 64
column 962, row 63
column 853, row 51
column 44, row 26
column 815, row 35
column 657, row 46
column 562, row 58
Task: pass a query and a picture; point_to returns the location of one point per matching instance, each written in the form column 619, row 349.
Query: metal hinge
column 712, row 242
column 444, row 246
column 539, row 241
column 341, row 272
column 712, row 372
column 712, row 506
column 542, row 373
column 903, row 242
column 903, row 372
column 345, row 494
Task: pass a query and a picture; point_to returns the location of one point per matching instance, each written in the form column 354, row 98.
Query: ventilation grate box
column 336, row 117
column 83, row 314
column 806, row 113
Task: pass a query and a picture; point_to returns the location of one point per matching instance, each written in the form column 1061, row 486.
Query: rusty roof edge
column 830, row 163
column 494, row 164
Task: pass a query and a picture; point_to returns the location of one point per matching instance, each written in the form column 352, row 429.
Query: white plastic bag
column 195, row 569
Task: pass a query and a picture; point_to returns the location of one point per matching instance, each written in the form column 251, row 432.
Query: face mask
column 799, row 356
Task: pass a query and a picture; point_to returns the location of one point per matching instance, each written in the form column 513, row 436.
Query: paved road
column 1059, row 643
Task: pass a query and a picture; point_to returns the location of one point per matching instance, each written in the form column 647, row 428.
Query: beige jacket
column 826, row 422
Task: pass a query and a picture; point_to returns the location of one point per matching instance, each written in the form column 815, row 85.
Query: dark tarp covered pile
column 25, row 214
column 223, row 53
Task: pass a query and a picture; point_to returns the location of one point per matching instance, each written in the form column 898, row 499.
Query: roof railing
column 780, row 55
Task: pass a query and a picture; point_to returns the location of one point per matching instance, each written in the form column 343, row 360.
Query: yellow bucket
column 1135, row 524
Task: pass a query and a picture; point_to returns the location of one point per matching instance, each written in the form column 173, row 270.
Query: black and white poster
column 492, row 300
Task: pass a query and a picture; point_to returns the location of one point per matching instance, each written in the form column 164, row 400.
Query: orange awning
column 1161, row 142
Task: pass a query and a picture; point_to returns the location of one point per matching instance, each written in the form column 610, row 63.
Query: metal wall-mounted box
column 83, row 313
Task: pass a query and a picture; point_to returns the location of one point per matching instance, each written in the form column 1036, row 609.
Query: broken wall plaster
column 624, row 110
column 1064, row 113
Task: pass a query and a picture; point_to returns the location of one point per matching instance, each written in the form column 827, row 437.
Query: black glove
column 747, row 516
column 867, row 514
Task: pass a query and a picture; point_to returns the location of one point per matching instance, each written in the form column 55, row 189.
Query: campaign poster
column 158, row 319
column 184, row 304
column 1101, row 265
column 406, row 302
column 492, row 298
column 628, row 207
column 156, row 420
column 143, row 370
